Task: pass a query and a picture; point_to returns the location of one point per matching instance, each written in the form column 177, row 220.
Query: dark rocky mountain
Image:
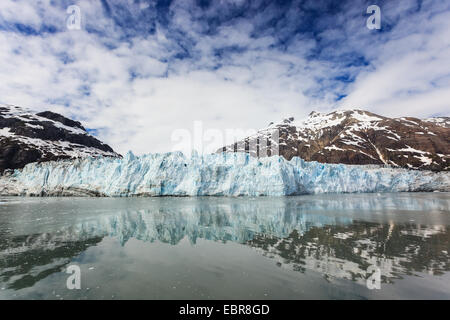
column 356, row 137
column 26, row 137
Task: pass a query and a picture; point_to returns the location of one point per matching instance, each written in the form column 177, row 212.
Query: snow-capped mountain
column 27, row 137
column 357, row 137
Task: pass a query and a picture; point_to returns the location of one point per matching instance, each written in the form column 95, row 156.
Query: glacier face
column 226, row 174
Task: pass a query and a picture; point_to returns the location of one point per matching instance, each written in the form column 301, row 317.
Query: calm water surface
column 227, row 248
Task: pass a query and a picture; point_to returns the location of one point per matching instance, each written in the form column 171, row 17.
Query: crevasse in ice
column 226, row 174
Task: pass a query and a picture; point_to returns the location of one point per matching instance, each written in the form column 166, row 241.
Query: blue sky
column 138, row 70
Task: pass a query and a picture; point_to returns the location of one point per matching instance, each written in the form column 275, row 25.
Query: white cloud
column 247, row 89
column 409, row 74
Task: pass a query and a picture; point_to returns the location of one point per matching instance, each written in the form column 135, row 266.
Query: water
column 227, row 248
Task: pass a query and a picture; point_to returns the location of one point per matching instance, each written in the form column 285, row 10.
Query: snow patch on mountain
column 440, row 121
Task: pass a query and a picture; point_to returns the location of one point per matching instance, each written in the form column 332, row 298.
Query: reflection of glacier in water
column 339, row 236
column 237, row 223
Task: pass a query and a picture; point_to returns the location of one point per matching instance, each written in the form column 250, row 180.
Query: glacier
column 226, row 174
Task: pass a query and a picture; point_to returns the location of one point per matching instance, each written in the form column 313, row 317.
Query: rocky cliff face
column 357, row 137
column 26, row 137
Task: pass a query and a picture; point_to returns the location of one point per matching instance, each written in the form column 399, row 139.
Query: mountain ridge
column 27, row 137
column 356, row 136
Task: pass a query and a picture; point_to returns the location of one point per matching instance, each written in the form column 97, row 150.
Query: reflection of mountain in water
column 25, row 260
column 307, row 233
column 347, row 251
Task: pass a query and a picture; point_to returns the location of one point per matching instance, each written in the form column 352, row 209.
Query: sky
column 138, row 74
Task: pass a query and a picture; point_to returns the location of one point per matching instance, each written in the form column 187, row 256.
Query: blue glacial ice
column 226, row 174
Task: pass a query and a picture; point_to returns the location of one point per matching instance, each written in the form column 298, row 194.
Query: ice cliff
column 232, row 174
